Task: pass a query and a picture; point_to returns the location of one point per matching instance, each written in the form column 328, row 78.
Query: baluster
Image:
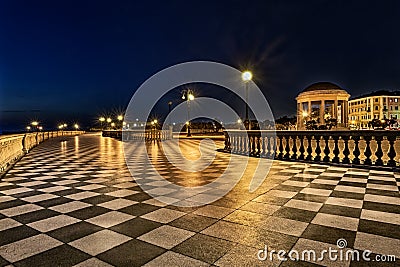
column 367, row 152
column 280, row 146
column 326, row 149
column 309, row 147
column 301, row 149
column 287, row 148
column 294, row 148
column 356, row 151
column 392, row 151
column 317, row 149
column 346, row 151
column 268, row 151
column 262, row 140
column 336, row 150
column 379, row 152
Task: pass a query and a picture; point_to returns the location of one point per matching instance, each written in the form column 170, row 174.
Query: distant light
column 60, row 126
column 183, row 97
column 28, row 127
column 76, row 126
column 305, row 114
column 112, row 124
column 35, row 123
column 109, row 120
column 239, row 121
column 191, row 96
column 102, row 119
column 65, row 125
column 124, row 123
column 155, row 121
column 40, row 128
column 141, row 125
column 187, row 123
column 134, row 125
column 137, row 119
column 120, row 117
column 173, row 123
column 152, row 123
column 247, row 76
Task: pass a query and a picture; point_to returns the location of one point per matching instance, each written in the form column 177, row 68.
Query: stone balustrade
column 365, row 147
column 13, row 147
column 148, row 135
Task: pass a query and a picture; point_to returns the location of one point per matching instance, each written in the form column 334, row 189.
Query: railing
column 13, row 147
column 366, row 147
column 148, row 135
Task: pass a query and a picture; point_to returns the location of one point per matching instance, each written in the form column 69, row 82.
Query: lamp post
column 35, row 124
column 120, row 119
column 188, row 96
column 246, row 77
column 102, row 120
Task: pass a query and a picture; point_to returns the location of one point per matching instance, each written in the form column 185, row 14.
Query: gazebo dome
column 322, row 86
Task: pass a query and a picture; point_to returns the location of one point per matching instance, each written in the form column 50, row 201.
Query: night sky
column 73, row 60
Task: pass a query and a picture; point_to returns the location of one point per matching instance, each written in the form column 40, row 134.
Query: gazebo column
column 321, row 112
column 335, row 115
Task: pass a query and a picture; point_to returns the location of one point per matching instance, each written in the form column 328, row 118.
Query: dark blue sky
column 72, row 60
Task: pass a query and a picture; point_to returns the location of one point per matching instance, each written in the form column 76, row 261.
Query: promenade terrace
column 71, row 201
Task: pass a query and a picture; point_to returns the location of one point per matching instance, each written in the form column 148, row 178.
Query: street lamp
column 76, row 126
column 28, row 128
column 120, row 117
column 109, row 120
column 188, row 96
column 246, row 77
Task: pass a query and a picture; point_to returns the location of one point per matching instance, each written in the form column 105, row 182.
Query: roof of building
column 379, row 93
column 321, row 86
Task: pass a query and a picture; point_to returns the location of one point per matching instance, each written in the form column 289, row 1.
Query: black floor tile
column 379, row 228
column 61, row 256
column 53, row 202
column 139, row 197
column 204, row 248
column 135, row 227
column 192, row 222
column 295, row 214
column 328, row 234
column 381, row 207
column 16, row 233
column 132, row 253
column 340, row 210
column 312, row 198
column 139, row 209
column 98, row 199
column 88, row 212
column 35, row 216
column 74, row 231
column 342, row 194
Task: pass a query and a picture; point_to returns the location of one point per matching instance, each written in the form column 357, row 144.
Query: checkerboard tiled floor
column 73, row 202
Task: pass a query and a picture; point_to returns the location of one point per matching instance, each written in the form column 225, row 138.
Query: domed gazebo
column 321, row 101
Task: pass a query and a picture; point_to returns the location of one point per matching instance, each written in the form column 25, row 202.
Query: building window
column 396, row 108
column 376, row 99
column 376, row 107
column 395, row 100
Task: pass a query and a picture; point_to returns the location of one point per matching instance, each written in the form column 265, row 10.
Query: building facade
column 321, row 101
column 378, row 105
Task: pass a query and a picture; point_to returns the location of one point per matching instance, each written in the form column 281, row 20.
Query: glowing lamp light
column 247, row 76
column 239, row 121
column 28, row 127
column 40, row 128
column 76, row 126
column 65, row 125
column 109, row 120
column 305, row 114
column 187, row 123
column 120, row 117
column 35, row 123
column 102, row 119
column 152, row 123
column 191, row 96
column 155, row 121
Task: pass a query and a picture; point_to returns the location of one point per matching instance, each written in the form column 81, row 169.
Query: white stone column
column 321, row 112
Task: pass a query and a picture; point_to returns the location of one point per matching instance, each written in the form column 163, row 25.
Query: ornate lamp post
column 246, row 77
column 188, row 96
